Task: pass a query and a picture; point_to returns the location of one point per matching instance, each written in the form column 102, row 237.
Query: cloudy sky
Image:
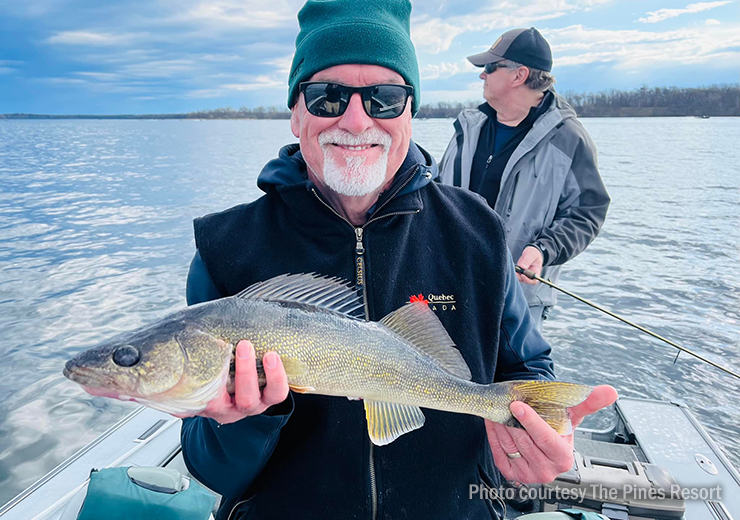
column 164, row 56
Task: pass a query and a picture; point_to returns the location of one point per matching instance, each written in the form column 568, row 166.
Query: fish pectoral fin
column 417, row 324
column 294, row 367
column 386, row 422
column 302, row 389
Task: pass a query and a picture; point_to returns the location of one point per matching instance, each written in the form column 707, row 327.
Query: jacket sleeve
column 522, row 353
column 581, row 210
column 200, row 287
column 227, row 458
column 450, row 157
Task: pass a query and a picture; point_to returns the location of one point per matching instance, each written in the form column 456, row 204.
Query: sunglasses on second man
column 490, row 68
column 386, row 101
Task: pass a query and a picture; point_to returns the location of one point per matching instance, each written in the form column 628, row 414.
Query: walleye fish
column 402, row 363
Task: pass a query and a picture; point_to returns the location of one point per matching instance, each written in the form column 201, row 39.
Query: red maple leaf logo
column 419, row 298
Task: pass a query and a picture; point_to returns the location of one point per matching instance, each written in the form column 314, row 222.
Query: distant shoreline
column 712, row 101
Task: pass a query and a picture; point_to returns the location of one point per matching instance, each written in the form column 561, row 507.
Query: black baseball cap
column 525, row 46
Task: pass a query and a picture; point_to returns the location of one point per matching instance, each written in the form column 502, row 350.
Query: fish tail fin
column 550, row 399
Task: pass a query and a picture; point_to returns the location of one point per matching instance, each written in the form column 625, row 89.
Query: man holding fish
column 354, row 201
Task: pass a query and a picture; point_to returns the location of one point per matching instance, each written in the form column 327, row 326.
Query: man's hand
column 531, row 259
column 247, row 399
column 544, row 453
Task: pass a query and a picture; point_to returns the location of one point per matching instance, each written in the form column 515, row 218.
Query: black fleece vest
column 440, row 242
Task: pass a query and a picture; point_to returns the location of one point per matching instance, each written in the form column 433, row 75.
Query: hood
column 289, row 168
column 566, row 111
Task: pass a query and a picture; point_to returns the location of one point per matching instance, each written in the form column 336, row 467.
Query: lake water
column 96, row 238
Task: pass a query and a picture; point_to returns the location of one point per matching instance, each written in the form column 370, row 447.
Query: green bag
column 115, row 495
column 563, row 514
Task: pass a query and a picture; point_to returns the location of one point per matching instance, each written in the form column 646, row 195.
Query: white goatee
column 356, row 178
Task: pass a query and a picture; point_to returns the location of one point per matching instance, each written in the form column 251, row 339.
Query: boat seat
column 609, row 450
column 73, row 506
column 617, row 488
column 177, row 462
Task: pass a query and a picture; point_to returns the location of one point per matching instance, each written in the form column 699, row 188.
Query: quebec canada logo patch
column 437, row 302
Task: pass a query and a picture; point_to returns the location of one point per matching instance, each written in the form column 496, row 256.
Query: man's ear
column 295, row 123
column 522, row 73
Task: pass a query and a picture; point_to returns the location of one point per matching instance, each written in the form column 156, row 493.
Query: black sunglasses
column 385, row 101
column 490, row 68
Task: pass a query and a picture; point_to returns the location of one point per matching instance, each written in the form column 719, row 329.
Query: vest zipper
column 373, row 483
column 361, row 281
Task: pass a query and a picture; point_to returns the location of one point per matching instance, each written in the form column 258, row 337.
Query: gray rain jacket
column 551, row 195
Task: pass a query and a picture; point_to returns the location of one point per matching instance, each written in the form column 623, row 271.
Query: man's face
column 353, row 154
column 498, row 85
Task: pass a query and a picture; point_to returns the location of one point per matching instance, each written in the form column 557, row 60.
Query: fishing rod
column 532, row 276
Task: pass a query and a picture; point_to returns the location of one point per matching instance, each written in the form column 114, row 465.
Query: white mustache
column 370, row 136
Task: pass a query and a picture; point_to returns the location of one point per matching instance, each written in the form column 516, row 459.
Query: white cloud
column 66, row 81
column 9, row 66
column 204, row 93
column 664, row 14
column 160, row 68
column 89, row 38
column 434, row 35
column 632, row 50
column 473, row 92
column 712, row 21
column 281, row 65
column 229, row 14
column 32, row 8
column 92, row 84
column 259, row 83
column 218, row 58
column 100, row 76
column 250, row 83
column 445, row 70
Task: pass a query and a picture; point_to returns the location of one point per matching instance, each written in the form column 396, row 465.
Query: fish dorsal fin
column 386, row 422
column 417, row 324
column 333, row 294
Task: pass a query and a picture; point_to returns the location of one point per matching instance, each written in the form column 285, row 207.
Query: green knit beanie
column 367, row 32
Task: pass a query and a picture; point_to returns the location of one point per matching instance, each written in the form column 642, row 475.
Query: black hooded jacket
column 310, row 457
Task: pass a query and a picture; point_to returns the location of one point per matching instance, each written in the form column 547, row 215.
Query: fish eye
column 126, row 356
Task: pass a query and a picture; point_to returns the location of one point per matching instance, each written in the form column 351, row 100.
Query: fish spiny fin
column 386, row 422
column 417, row 324
column 550, row 399
column 333, row 294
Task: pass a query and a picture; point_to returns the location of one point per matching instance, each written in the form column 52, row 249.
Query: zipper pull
column 490, row 157
column 359, row 248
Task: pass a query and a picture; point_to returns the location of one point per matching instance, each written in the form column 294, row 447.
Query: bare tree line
column 716, row 100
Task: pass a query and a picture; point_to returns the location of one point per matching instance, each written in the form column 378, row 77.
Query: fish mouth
column 93, row 382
